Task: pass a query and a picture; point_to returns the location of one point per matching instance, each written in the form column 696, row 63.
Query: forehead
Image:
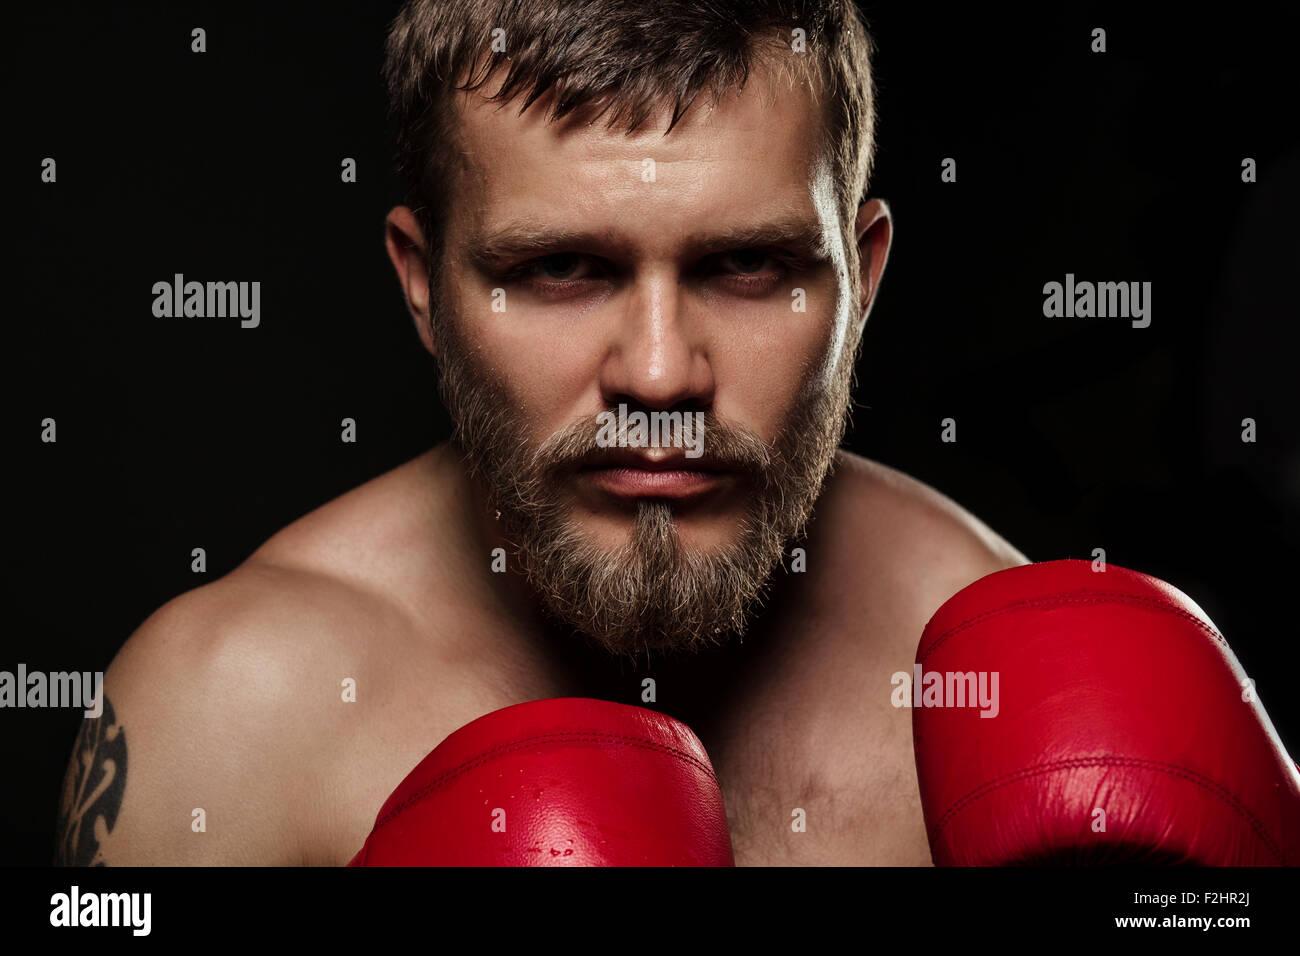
column 751, row 155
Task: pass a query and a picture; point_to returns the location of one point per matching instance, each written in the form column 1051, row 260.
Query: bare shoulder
column 212, row 711
column 911, row 537
column 896, row 499
column 374, row 536
column 226, row 708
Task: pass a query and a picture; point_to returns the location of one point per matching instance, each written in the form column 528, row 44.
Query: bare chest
column 815, row 764
column 830, row 789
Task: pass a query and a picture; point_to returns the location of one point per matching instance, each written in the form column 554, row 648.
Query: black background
column 1072, row 434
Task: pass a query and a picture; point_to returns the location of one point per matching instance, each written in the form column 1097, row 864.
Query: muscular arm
column 92, row 790
column 197, row 757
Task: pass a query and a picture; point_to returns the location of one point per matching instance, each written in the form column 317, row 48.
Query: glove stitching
column 503, row 749
column 1075, row 598
column 1192, row 776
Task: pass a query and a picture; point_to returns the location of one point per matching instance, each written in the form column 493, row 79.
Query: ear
column 404, row 241
column 875, row 233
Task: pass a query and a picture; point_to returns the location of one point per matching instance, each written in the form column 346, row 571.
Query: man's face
column 702, row 271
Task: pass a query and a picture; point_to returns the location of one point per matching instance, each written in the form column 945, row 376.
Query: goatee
column 653, row 593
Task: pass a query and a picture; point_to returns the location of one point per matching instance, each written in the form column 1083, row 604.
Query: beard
column 653, row 593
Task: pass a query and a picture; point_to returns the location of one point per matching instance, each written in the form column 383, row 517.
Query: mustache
column 726, row 447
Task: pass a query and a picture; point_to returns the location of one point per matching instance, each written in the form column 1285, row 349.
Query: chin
column 708, row 537
column 695, row 531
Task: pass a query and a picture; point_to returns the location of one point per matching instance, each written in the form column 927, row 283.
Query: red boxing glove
column 566, row 782
column 1123, row 731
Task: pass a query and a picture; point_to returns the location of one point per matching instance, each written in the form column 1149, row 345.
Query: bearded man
column 616, row 207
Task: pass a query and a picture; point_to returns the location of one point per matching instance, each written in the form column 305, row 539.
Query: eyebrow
column 493, row 249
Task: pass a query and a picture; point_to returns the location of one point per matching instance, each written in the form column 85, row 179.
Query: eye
column 754, row 272
column 747, row 261
column 559, row 272
column 561, row 265
column 554, row 277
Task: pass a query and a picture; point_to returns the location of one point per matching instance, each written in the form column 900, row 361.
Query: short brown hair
column 628, row 57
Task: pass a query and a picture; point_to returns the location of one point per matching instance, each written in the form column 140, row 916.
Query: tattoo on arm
column 92, row 790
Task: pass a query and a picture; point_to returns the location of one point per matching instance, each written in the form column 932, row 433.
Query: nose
column 658, row 356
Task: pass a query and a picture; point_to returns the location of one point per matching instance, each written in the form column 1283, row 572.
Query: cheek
column 533, row 358
column 766, row 367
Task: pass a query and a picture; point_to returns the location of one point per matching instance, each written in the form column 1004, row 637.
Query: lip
column 671, row 475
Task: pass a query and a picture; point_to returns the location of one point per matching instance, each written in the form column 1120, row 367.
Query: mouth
column 656, row 473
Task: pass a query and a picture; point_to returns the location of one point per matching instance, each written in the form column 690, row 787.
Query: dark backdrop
column 1072, row 434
